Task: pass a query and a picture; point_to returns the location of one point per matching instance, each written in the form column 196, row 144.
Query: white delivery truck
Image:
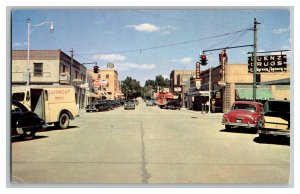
column 55, row 104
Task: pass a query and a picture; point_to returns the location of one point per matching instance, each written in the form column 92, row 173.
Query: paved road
column 148, row 145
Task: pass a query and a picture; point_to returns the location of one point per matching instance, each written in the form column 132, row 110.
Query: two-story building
column 179, row 83
column 50, row 67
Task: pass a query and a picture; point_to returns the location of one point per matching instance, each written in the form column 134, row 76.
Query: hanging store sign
column 198, row 70
column 268, row 64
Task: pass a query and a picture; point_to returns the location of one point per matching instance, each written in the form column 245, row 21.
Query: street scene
column 148, row 145
column 151, row 96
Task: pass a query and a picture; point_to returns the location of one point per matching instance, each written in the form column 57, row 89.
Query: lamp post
column 209, row 84
column 28, row 43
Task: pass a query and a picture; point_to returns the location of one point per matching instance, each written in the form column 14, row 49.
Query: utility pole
column 72, row 51
column 255, row 59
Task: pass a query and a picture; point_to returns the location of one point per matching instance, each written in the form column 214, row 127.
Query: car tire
column 227, row 127
column 28, row 134
column 263, row 136
column 64, row 121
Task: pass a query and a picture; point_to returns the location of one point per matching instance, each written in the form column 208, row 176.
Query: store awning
column 198, row 93
column 93, row 95
column 247, row 94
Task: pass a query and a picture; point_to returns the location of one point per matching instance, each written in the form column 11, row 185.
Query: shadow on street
column 272, row 140
column 19, row 139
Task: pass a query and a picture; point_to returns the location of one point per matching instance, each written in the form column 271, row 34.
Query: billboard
column 268, row 64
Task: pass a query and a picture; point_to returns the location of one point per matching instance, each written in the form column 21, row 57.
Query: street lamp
column 28, row 43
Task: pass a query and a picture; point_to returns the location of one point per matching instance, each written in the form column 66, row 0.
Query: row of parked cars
column 104, row 105
column 270, row 119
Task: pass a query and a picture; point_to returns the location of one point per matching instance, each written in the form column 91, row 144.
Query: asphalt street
column 148, row 145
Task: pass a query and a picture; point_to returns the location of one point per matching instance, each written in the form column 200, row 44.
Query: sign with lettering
column 198, row 70
column 268, row 64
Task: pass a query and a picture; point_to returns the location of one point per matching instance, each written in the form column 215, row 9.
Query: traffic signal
column 96, row 69
column 203, row 60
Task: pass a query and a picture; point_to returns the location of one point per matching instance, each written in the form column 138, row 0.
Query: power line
column 167, row 45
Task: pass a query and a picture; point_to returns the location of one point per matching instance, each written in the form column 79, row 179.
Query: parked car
column 91, row 107
column 243, row 114
column 129, row 104
column 103, row 105
column 25, row 123
column 150, row 103
column 276, row 119
column 173, row 105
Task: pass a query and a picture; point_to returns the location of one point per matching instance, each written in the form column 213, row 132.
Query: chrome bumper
column 247, row 125
column 274, row 132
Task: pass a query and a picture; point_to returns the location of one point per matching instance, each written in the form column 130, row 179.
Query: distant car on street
column 25, row 123
column 129, row 104
column 150, row 103
column 243, row 114
column 173, row 105
column 276, row 119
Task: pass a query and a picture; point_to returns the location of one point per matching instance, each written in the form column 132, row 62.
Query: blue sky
column 146, row 43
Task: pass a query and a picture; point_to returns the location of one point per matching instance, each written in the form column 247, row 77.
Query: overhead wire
column 166, row 45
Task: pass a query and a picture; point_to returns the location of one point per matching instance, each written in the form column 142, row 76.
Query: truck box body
column 49, row 102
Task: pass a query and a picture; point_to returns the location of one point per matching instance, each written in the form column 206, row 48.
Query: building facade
column 50, row 67
column 107, row 85
column 179, row 83
column 237, row 84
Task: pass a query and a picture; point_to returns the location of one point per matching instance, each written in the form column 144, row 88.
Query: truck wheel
column 64, row 121
column 28, row 134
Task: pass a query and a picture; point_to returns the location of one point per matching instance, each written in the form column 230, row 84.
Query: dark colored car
column 243, row 114
column 25, row 123
column 172, row 105
column 103, row 106
column 91, row 107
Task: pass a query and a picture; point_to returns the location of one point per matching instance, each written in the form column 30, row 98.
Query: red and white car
column 243, row 114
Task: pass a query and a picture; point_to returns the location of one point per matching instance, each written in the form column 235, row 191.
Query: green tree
column 131, row 88
column 161, row 82
column 147, row 91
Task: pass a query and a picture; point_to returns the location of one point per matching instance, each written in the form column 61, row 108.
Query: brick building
column 109, row 86
column 238, row 85
column 179, row 82
column 49, row 67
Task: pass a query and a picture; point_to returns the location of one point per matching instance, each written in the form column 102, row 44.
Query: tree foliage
column 131, row 88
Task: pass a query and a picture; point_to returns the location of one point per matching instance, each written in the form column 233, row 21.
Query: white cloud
column 167, row 29
column 281, row 30
column 20, row 44
column 109, row 57
column 127, row 66
column 186, row 60
column 146, row 27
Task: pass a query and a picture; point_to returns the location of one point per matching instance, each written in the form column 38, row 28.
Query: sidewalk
column 204, row 113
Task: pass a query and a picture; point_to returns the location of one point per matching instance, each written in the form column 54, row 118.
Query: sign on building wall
column 110, row 65
column 197, row 70
column 268, row 64
column 103, row 82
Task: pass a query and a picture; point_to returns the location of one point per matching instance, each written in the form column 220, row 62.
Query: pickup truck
column 276, row 119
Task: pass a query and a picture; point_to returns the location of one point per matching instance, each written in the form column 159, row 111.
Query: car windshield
column 244, row 107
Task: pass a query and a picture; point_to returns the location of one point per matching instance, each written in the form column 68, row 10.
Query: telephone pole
column 72, row 51
column 255, row 59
